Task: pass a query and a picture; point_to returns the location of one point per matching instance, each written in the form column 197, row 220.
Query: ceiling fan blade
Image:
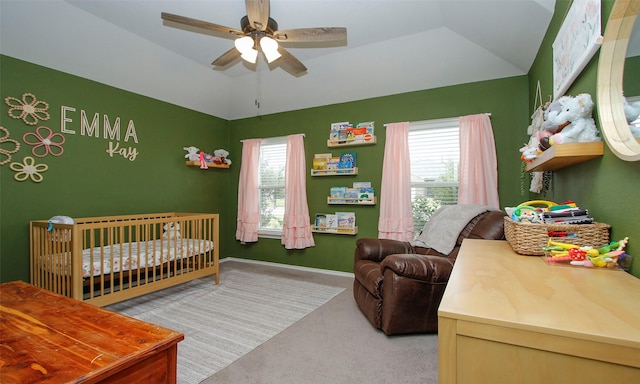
column 200, row 24
column 311, row 34
column 290, row 63
column 226, row 57
column 258, row 13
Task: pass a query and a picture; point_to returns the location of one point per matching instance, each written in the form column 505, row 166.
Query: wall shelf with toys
column 338, row 223
column 563, row 155
column 345, row 134
column 360, row 193
column 209, row 165
column 325, row 164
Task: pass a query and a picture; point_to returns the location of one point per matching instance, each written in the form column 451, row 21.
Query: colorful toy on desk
column 528, row 212
column 611, row 255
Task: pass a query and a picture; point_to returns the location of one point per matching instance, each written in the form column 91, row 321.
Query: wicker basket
column 529, row 239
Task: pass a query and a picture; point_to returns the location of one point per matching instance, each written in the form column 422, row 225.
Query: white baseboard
column 288, row 266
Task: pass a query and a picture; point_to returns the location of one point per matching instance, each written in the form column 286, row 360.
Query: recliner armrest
column 377, row 249
column 431, row 269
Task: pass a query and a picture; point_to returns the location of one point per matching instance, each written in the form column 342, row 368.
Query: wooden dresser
column 50, row 338
column 508, row 318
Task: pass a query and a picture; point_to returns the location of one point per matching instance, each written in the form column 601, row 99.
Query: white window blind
column 434, row 152
column 273, row 153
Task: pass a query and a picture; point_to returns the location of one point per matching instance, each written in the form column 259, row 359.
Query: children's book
column 321, row 222
column 333, row 163
column 338, row 192
column 332, row 222
column 320, row 161
column 346, row 221
column 352, row 193
column 366, row 193
column 347, row 160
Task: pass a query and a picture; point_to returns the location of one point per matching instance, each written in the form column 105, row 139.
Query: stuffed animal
column 632, row 113
column 220, row 157
column 171, row 231
column 529, row 152
column 193, row 153
column 569, row 120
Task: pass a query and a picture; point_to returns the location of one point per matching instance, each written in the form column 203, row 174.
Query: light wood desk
column 48, row 338
column 508, row 318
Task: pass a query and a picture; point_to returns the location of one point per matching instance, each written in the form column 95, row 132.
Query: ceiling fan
column 260, row 31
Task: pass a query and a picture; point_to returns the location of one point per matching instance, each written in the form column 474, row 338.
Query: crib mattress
column 129, row 256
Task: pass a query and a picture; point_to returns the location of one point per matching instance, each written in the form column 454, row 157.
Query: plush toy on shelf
column 568, row 120
column 193, row 153
column 220, row 157
column 529, row 152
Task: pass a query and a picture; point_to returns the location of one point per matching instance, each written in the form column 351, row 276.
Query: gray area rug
column 223, row 323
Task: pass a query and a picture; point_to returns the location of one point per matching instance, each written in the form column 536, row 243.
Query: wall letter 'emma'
column 110, row 131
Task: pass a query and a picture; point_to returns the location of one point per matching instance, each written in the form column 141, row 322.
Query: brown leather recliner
column 399, row 287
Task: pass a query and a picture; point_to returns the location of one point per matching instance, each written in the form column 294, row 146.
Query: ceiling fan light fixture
column 250, row 56
column 244, row 44
column 270, row 48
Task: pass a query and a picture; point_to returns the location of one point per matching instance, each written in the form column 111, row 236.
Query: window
column 434, row 152
column 273, row 154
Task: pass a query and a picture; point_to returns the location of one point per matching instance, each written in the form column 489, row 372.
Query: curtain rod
column 303, row 135
column 438, row 120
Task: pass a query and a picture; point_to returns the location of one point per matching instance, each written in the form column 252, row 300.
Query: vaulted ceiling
column 393, row 46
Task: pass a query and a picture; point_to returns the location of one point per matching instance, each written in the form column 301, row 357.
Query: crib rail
column 103, row 260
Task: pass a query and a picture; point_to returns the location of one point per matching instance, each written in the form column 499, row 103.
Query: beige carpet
column 332, row 344
column 223, row 322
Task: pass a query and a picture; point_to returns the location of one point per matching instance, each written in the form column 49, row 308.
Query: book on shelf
column 352, row 193
column 320, row 161
column 338, row 131
column 346, row 221
column 345, row 132
column 321, row 222
column 331, row 222
column 366, row 193
column 347, row 160
column 333, row 164
column 361, row 184
column 338, row 193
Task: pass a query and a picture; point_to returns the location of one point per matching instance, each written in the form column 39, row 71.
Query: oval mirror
column 613, row 55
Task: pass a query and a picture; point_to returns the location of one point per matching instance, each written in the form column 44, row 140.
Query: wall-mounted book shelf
column 351, row 142
column 351, row 201
column 335, row 172
column 334, row 231
column 210, row 165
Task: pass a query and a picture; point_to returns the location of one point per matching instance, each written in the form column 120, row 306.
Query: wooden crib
column 104, row 260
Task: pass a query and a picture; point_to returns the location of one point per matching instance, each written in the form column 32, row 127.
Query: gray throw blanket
column 444, row 226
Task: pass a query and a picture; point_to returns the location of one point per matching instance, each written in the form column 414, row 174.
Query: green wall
column 85, row 181
column 505, row 99
column 607, row 186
